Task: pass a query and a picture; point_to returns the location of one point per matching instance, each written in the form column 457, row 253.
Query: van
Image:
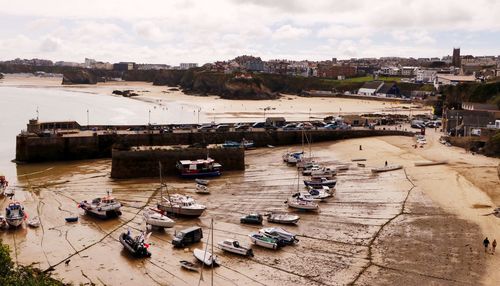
column 187, row 236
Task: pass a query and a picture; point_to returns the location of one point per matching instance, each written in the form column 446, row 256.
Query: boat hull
column 181, row 210
column 14, row 222
column 137, row 252
column 206, row 257
column 236, row 250
column 201, row 175
column 265, row 244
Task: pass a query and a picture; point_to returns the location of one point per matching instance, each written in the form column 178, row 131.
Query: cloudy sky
column 173, row 31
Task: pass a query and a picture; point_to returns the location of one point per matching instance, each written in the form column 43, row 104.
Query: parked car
column 222, row 128
column 270, row 127
column 290, row 126
column 187, row 236
column 259, row 125
column 205, row 128
column 305, row 126
column 345, row 127
column 318, row 124
column 241, row 127
column 251, row 219
column 331, row 126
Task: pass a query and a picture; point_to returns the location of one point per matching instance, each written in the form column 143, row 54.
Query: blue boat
column 231, row 144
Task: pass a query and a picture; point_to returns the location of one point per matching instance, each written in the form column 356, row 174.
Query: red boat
column 199, row 168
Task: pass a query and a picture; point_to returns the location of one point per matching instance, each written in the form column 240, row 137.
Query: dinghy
column 283, row 236
column 264, row 241
column 34, row 222
column 201, row 182
column 202, row 189
column 138, row 245
column 14, row 214
column 283, row 218
column 189, row 265
column 155, row 218
column 321, row 182
column 386, row 168
column 71, row 219
column 206, row 257
column 231, row 245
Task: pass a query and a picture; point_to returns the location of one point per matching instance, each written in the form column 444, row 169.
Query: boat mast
column 212, row 232
column 161, row 187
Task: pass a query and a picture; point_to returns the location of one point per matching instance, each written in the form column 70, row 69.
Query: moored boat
column 201, row 182
column 301, row 204
column 137, row 246
column 283, row 218
column 231, row 245
column 105, row 207
column 201, row 189
column 3, row 184
column 292, row 157
column 264, row 241
column 199, row 168
column 189, row 265
column 321, row 182
column 323, row 173
column 14, row 214
column 34, row 222
column 283, row 236
column 155, row 218
column 181, row 205
column 71, row 219
column 206, row 257
column 386, row 168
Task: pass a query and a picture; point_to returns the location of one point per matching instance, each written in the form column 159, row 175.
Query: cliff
column 80, row 76
column 472, row 92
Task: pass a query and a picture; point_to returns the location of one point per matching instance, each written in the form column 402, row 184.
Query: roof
column 386, row 88
column 478, row 106
column 372, row 84
column 457, row 77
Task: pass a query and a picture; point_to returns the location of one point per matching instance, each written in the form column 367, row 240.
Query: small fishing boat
column 292, row 157
column 321, row 182
column 248, row 144
column 155, row 218
column 206, row 257
column 105, row 207
column 386, row 168
column 264, row 241
column 306, row 163
column 342, row 167
column 301, row 204
column 314, row 195
column 308, row 171
column 14, row 214
column 283, row 218
column 361, row 165
column 189, row 265
column 201, row 182
column 71, row 219
column 181, row 205
column 323, row 173
column 3, row 222
column 201, row 189
column 34, row 222
column 283, row 236
column 138, row 245
column 199, row 168
column 231, row 245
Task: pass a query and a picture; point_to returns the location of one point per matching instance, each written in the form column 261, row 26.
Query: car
column 205, row 128
column 305, row 126
column 318, row 124
column 270, row 127
column 259, row 125
column 241, row 127
column 222, row 128
column 345, row 127
column 331, row 126
column 251, row 219
column 290, row 126
column 187, row 236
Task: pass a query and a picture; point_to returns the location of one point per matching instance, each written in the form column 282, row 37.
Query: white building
column 89, row 63
column 446, row 79
column 408, row 71
column 185, row 66
column 425, row 75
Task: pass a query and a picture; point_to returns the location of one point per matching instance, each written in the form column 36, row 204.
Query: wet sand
column 415, row 226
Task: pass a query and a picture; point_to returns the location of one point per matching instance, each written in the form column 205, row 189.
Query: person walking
column 486, row 243
column 360, row 148
column 494, row 245
column 386, row 163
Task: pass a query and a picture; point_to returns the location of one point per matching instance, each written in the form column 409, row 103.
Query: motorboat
column 283, row 236
column 308, row 171
column 9, row 192
column 264, row 241
column 189, row 265
column 387, row 168
column 201, row 189
column 206, row 257
column 3, row 222
column 323, row 173
column 292, row 157
column 342, row 168
column 231, row 245
column 301, row 204
column 3, row 184
column 201, row 181
column 313, row 195
column 306, row 163
column 33, row 222
column 14, row 214
column 199, row 168
column 155, row 218
column 138, row 245
column 105, row 207
column 71, row 219
column 283, row 218
column 321, row 182
column 181, row 205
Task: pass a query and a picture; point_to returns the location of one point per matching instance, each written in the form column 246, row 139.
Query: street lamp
column 88, row 120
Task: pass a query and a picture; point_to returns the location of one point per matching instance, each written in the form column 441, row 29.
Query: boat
column 358, row 160
column 105, row 207
column 206, row 257
column 342, row 167
column 321, row 182
column 71, row 219
column 323, row 173
column 430, row 163
column 199, row 168
column 306, row 163
column 231, row 245
column 154, row 217
column 308, row 171
column 231, row 144
column 189, row 265
column 3, row 184
column 314, row 194
column 181, row 205
column 301, row 204
column 248, row 144
column 34, row 222
column 283, row 236
column 3, row 222
column 9, row 192
column 264, row 241
column 386, row 168
column 14, row 214
column 201, row 182
column 283, row 218
column 361, row 165
column 138, row 245
column 201, row 189
column 292, row 157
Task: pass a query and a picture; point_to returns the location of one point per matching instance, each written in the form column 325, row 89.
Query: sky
column 201, row 31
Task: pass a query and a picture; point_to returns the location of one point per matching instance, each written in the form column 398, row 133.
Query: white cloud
column 288, row 32
column 50, row 45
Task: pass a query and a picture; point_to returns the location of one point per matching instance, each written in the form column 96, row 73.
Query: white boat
column 283, row 236
column 264, row 241
column 306, row 163
column 154, row 217
column 316, row 194
column 3, row 222
column 301, row 204
column 386, row 168
column 308, row 171
column 283, row 218
column 201, row 182
column 342, row 167
column 323, row 173
column 34, row 222
column 105, row 207
column 181, row 205
column 9, row 192
column 201, row 189
column 231, row 245
column 292, row 157
column 206, row 257
column 14, row 214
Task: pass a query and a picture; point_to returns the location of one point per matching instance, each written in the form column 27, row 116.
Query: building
column 389, row 71
column 408, row 71
column 152, row 66
column 388, row 90
column 462, row 122
column 425, row 75
column 186, row 66
column 446, row 79
column 334, row 71
column 277, row 67
column 370, row 88
column 479, row 106
column 250, row 63
column 124, row 66
column 456, row 61
column 89, row 63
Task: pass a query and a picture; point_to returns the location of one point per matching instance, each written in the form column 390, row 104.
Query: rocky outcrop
column 80, row 76
column 247, row 89
column 125, row 93
column 1, row 76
